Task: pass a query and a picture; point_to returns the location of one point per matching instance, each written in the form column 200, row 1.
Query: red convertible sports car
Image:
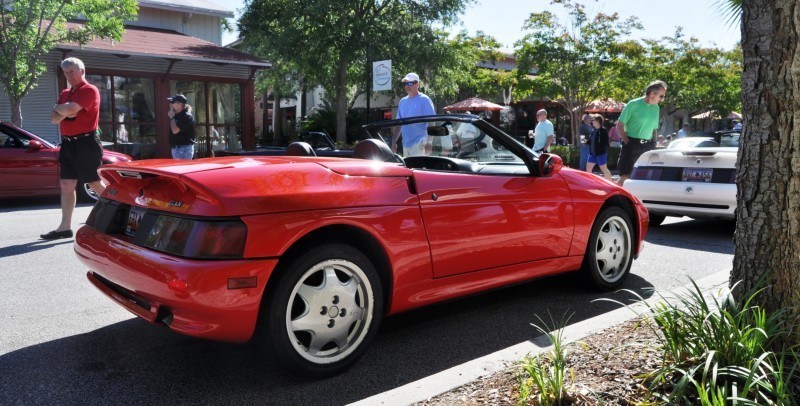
column 305, row 255
column 29, row 165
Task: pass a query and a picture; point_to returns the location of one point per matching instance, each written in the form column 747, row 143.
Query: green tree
column 699, row 79
column 472, row 80
column 326, row 40
column 572, row 62
column 32, row 28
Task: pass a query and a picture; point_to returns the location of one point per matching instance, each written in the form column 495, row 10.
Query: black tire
column 656, row 220
column 331, row 289
column 85, row 193
column 609, row 253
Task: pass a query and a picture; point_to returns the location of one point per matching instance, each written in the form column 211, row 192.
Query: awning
column 709, row 114
column 704, row 115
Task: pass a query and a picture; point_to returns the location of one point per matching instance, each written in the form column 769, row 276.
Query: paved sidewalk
column 465, row 373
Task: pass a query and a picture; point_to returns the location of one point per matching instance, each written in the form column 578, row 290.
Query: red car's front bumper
column 192, row 297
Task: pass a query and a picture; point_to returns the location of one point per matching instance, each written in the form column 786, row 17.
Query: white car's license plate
column 134, row 219
column 697, row 174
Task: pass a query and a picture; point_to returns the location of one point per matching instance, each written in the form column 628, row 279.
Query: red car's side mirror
column 549, row 164
column 34, row 145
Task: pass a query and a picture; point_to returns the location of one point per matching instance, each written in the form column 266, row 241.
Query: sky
column 503, row 19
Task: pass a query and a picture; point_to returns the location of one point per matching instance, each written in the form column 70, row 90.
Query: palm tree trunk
column 767, row 239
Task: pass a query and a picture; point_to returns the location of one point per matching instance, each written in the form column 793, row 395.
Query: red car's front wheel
column 609, row 254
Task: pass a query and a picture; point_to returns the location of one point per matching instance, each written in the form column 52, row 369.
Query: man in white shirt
column 684, row 132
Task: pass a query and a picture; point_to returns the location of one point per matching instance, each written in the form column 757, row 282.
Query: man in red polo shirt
column 77, row 114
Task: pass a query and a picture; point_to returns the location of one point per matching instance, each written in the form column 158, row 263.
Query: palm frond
column 730, row 10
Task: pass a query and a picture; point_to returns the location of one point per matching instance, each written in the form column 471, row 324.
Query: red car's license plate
column 697, row 174
column 134, row 219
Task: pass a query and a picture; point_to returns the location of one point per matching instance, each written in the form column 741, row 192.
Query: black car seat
column 375, row 150
column 300, row 148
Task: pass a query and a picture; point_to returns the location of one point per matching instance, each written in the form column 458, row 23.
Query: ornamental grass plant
column 544, row 379
column 720, row 351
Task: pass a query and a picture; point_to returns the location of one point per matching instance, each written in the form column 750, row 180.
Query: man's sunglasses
column 409, row 83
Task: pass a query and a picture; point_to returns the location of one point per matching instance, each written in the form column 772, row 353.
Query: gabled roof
column 189, row 6
column 158, row 43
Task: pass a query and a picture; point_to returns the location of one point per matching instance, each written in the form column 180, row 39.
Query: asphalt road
column 63, row 342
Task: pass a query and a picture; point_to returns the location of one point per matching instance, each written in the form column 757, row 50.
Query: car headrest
column 438, row 130
column 374, row 150
column 300, row 148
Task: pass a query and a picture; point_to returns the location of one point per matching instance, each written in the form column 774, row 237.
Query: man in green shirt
column 637, row 127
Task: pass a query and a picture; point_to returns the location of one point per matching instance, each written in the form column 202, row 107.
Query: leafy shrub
column 324, row 119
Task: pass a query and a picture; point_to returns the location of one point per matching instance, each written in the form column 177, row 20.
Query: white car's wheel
column 609, row 254
column 323, row 312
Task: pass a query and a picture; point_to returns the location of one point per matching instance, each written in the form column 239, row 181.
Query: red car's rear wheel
column 323, row 312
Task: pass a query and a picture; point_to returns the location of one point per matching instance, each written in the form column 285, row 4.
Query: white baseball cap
column 411, row 77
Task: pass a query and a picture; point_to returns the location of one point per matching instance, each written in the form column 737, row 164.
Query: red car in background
column 29, row 165
column 305, row 254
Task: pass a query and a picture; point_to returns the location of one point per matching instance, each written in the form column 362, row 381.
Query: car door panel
column 498, row 219
column 28, row 172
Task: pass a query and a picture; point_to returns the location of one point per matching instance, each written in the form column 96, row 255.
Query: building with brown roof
column 171, row 48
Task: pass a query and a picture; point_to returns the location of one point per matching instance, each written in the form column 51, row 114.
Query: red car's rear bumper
column 191, row 297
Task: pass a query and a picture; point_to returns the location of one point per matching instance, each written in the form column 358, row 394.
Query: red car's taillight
column 196, row 238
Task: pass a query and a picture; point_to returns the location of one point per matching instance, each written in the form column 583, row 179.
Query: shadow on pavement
column 133, row 362
column 34, row 246
column 11, row 205
column 700, row 235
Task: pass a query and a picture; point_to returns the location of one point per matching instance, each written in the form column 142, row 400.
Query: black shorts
column 80, row 158
column 631, row 152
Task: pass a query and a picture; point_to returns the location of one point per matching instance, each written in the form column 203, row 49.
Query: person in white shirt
column 684, row 132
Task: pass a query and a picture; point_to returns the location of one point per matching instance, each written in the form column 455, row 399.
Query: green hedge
column 571, row 155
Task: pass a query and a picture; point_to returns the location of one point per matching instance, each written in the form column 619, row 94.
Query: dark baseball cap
column 178, row 98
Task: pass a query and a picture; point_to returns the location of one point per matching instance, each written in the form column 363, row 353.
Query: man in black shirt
column 181, row 125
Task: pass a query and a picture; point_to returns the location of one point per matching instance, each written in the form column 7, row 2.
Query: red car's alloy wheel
column 609, row 255
column 324, row 311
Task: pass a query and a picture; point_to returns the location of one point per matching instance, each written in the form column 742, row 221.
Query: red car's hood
column 237, row 186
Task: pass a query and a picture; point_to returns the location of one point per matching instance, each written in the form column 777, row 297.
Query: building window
column 217, row 111
column 127, row 114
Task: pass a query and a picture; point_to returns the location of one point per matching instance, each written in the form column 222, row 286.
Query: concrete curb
column 467, row 372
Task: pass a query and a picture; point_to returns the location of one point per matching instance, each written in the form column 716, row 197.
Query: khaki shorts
column 418, row 148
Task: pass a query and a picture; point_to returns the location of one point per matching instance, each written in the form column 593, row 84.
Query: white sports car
column 696, row 182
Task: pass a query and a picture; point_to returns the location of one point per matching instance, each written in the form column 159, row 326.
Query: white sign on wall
column 382, row 75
